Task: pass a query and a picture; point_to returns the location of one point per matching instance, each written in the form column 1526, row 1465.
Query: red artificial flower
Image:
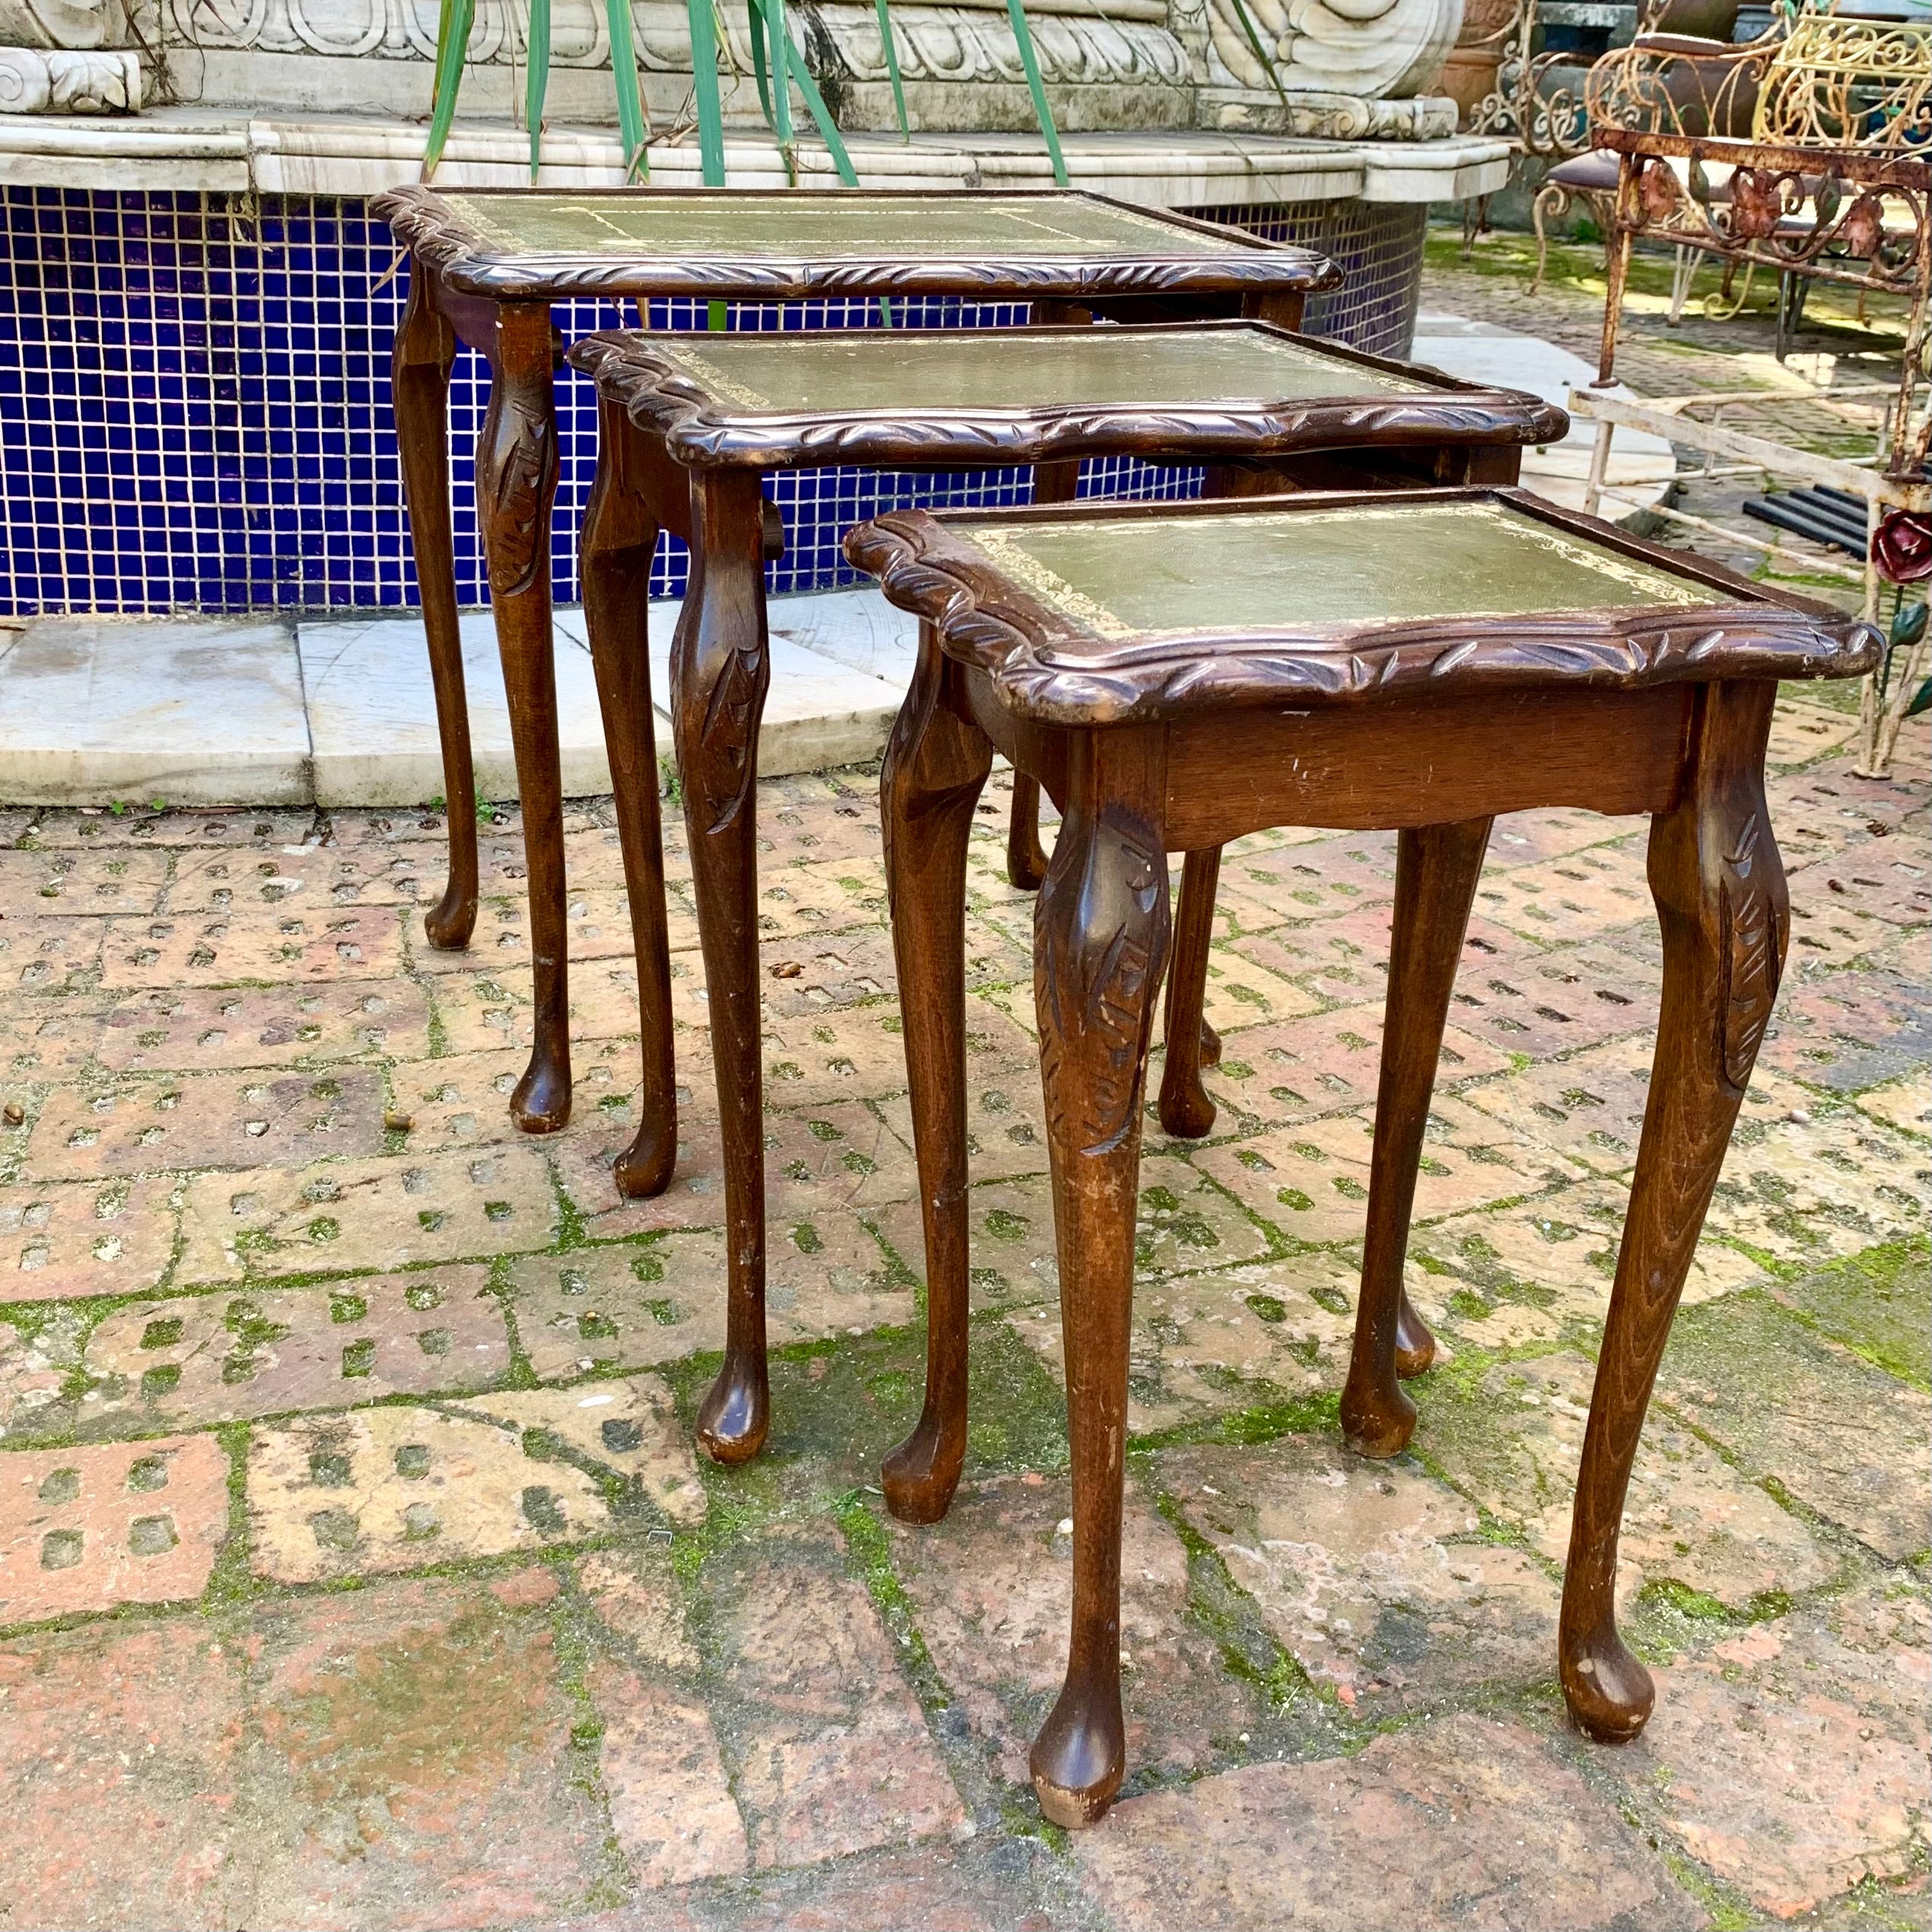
column 1902, row 547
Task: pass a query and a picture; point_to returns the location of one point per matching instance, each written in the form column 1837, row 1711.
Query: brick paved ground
column 355, row 1567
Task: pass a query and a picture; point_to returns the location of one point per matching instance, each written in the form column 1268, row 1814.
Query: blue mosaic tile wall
column 194, row 404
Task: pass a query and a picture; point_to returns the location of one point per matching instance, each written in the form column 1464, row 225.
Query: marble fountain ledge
column 211, row 150
column 261, row 710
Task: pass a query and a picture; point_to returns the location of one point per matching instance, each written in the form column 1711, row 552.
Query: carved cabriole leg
column 1436, row 869
column 1100, row 943
column 720, row 669
column 419, row 384
column 620, row 536
column 935, row 768
column 516, row 483
column 1185, row 1110
column 1719, row 886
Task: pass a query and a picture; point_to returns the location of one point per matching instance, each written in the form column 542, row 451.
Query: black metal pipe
column 1820, row 529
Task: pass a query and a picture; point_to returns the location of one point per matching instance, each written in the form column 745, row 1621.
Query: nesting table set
column 1362, row 626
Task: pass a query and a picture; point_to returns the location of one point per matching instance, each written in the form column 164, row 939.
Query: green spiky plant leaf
column 633, row 125
column 778, row 30
column 777, row 57
column 770, row 22
column 1261, row 53
column 704, row 90
column 1023, row 36
column 760, row 70
column 892, row 68
column 822, row 118
column 452, row 27
column 536, row 81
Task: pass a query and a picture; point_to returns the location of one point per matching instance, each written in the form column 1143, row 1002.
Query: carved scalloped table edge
column 1058, row 671
column 700, row 430
column 424, row 223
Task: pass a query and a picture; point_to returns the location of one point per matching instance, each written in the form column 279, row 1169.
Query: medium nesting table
column 486, row 266
column 690, row 424
column 1176, row 677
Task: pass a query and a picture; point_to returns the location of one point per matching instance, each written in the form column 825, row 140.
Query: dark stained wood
column 516, row 484
column 424, row 353
column 706, row 426
column 1719, row 885
column 1099, row 946
column 1025, row 857
column 1053, row 482
column 1185, row 1110
column 720, row 672
column 499, row 303
column 670, row 420
column 1057, row 668
column 1436, row 868
column 935, row 768
column 1621, row 719
column 1166, row 256
column 620, row 538
column 1369, row 769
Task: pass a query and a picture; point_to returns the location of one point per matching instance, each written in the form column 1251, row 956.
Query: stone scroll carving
column 67, row 57
column 1371, row 50
column 1351, row 69
column 60, row 80
column 934, row 42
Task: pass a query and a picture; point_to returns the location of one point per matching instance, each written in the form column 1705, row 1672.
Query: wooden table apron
column 1439, row 733
column 719, row 673
column 459, row 292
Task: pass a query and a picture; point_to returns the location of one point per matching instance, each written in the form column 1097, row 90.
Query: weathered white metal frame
column 1669, row 417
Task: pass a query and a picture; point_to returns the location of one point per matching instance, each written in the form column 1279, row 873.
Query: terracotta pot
column 1708, row 20
column 1469, row 73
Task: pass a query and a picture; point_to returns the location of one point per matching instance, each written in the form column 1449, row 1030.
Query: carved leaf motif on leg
column 1755, row 921
column 1094, row 962
column 523, row 460
column 729, row 730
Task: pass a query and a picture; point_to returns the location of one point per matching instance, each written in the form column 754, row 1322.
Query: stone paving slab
column 65, row 1239
column 476, row 1637
column 199, row 712
column 416, row 1758
column 1826, row 1785
column 1841, row 1436
column 306, row 947
column 1512, row 1440
column 159, row 1126
column 992, row 1597
column 194, row 1360
column 392, row 1489
column 833, row 1754
column 368, row 1213
column 1465, row 1820
column 196, row 1031
column 1375, row 1577
column 123, row 1522
column 123, row 1744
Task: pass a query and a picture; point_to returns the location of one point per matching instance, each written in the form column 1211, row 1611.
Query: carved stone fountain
column 197, row 414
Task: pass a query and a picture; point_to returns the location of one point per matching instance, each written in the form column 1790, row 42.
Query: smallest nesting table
column 1176, row 677
column 689, row 425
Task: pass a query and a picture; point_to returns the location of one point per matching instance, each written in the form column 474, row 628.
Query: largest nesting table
column 691, row 423
column 1178, row 677
column 486, row 267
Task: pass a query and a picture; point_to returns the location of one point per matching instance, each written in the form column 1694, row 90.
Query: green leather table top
column 786, row 224
column 1361, row 564
column 830, row 372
